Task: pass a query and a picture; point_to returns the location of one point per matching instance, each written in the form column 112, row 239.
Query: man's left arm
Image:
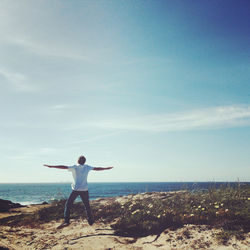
column 100, row 169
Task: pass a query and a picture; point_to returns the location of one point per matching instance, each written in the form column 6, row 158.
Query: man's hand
column 109, row 168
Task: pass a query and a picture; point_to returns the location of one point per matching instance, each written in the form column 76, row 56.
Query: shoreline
column 27, row 203
column 59, row 192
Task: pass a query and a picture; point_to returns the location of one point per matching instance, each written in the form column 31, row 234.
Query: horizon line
column 127, row 182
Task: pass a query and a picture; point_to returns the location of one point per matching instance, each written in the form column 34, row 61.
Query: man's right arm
column 58, row 166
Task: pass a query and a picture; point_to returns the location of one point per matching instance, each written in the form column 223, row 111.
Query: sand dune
column 79, row 235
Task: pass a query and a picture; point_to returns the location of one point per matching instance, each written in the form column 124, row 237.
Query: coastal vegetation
column 227, row 208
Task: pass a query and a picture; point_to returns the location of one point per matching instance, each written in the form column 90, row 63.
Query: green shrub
column 226, row 207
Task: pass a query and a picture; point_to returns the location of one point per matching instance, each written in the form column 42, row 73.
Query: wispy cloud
column 42, row 48
column 92, row 139
column 200, row 119
column 18, row 81
column 60, row 106
column 209, row 118
column 31, row 153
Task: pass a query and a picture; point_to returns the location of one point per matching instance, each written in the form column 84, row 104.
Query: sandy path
column 79, row 235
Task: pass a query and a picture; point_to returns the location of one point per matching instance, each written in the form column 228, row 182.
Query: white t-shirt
column 80, row 174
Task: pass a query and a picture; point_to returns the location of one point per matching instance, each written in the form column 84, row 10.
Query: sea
column 37, row 193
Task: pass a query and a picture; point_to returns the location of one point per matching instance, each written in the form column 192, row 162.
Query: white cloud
column 30, row 153
column 60, row 106
column 19, row 24
column 45, row 49
column 199, row 119
column 94, row 138
column 209, row 118
column 18, row 81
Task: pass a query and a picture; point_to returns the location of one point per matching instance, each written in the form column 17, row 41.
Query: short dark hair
column 81, row 160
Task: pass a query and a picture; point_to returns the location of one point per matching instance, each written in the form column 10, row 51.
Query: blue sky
column 158, row 89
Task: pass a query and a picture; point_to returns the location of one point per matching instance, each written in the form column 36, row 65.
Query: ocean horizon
column 36, row 193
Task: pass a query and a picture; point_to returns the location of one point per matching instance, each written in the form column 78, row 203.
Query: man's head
column 81, row 160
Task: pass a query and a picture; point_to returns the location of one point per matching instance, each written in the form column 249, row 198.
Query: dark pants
column 85, row 199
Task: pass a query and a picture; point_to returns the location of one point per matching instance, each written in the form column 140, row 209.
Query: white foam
column 26, row 203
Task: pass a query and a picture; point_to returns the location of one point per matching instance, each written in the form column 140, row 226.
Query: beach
column 103, row 234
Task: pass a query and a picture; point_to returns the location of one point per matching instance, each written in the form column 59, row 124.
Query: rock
column 3, row 248
column 5, row 205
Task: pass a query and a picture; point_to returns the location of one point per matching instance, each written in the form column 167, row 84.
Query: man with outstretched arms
column 79, row 187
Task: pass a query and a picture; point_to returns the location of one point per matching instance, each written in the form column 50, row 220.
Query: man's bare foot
column 63, row 225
